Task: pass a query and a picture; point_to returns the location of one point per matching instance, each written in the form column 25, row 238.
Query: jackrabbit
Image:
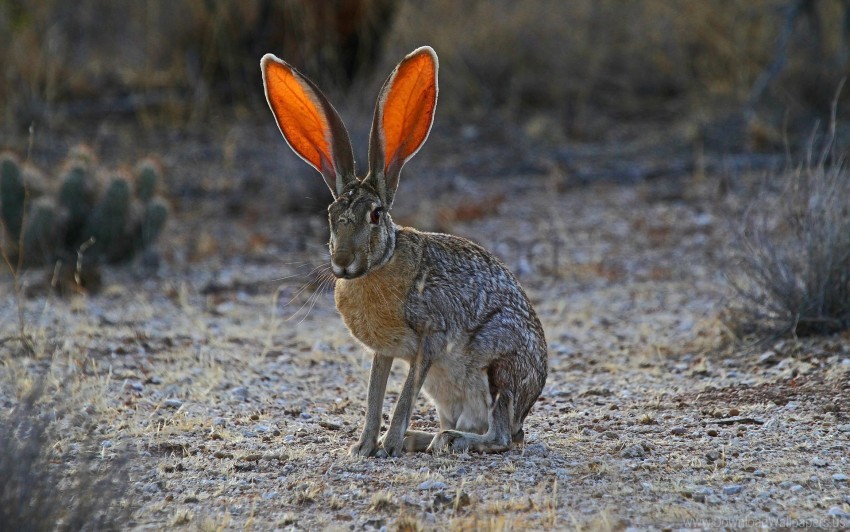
column 441, row 303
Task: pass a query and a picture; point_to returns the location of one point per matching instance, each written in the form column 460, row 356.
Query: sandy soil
column 233, row 385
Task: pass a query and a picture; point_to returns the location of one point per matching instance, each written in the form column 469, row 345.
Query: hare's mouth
column 352, row 271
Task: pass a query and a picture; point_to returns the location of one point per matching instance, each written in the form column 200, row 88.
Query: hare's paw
column 449, row 440
column 364, row 448
column 390, row 446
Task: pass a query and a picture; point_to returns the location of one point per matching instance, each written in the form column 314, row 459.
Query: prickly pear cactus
column 107, row 220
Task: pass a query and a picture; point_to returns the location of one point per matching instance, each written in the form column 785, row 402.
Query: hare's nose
column 340, row 262
column 343, row 260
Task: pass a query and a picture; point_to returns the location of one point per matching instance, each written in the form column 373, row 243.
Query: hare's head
column 362, row 232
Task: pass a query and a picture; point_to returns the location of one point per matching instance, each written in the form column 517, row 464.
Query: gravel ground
column 234, row 387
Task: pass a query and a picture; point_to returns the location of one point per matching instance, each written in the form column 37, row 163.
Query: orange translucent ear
column 404, row 114
column 308, row 122
column 409, row 105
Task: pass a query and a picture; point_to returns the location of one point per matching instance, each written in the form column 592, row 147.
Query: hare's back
column 462, row 286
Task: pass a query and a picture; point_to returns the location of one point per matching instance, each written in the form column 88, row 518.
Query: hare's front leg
column 368, row 443
column 393, row 442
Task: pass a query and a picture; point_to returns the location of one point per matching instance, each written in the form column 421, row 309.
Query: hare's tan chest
column 372, row 306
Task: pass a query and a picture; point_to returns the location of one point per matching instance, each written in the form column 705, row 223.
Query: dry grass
column 47, row 486
column 792, row 269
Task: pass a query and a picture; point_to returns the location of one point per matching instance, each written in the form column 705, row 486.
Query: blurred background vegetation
column 522, row 84
column 587, row 64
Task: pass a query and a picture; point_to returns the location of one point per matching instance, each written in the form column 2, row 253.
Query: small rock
column 240, row 392
column 843, row 428
column 432, row 484
column 786, row 484
column 702, row 494
column 711, row 432
column 136, row 386
column 792, row 405
column 106, row 444
column 796, row 488
column 151, row 488
column 819, row 462
column 712, row 456
column 269, row 495
column 678, row 431
column 262, row 428
column 635, row 451
column 840, row 477
column 289, row 438
column 173, row 403
column 535, row 449
column 772, row 424
column 758, row 473
column 219, row 422
column 768, row 358
column 837, row 511
column 305, row 415
column 733, row 489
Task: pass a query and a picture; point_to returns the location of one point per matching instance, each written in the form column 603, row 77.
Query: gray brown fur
column 441, row 303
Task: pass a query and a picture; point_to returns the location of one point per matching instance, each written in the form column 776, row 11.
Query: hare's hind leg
column 417, row 441
column 497, row 438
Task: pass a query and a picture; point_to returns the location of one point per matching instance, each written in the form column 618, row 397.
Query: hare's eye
column 375, row 215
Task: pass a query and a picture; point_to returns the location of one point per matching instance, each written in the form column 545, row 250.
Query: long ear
column 308, row 122
column 403, row 118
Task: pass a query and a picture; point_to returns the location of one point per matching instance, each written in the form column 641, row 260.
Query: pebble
column 106, row 444
column 843, row 428
column 758, row 473
column 219, row 422
column 768, row 358
column 289, row 438
column 701, row 494
column 151, row 488
column 796, row 487
column 837, row 511
column 136, row 386
column 262, row 428
column 733, row 489
column 305, row 415
column 269, row 495
column 677, row 431
column 535, row 449
column 819, row 462
column 840, row 477
column 173, row 403
column 635, row 451
column 432, row 484
column 240, row 392
column 772, row 424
